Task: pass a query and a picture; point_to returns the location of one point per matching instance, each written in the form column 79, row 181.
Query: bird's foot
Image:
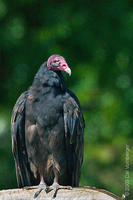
column 40, row 187
column 55, row 186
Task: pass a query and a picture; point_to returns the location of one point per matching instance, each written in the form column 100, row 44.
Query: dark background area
column 96, row 38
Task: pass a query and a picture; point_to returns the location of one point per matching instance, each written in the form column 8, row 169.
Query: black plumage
column 47, row 131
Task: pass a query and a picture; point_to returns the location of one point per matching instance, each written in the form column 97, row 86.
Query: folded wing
column 24, row 174
column 74, row 134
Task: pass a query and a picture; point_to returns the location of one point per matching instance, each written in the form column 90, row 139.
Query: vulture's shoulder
column 73, row 97
column 72, row 102
column 19, row 107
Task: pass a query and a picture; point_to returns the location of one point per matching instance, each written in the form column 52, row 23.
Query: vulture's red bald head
column 58, row 63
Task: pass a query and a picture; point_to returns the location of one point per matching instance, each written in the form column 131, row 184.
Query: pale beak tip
column 68, row 70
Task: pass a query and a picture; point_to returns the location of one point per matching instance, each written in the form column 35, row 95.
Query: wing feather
column 74, row 136
column 23, row 172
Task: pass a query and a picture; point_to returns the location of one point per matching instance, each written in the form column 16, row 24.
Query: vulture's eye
column 56, row 63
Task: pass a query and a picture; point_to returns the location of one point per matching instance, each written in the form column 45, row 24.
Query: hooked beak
column 68, row 70
column 64, row 67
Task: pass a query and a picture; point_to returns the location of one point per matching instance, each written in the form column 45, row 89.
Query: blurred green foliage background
column 96, row 38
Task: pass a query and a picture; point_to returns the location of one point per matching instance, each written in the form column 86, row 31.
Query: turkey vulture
column 47, row 131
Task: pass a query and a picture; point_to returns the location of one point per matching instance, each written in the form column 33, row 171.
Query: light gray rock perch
column 84, row 193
